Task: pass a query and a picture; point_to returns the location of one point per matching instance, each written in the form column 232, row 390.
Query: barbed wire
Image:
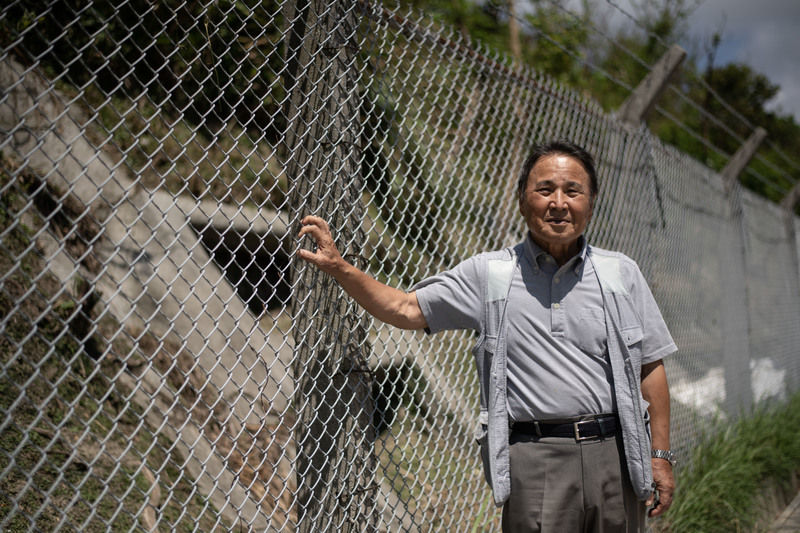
column 609, row 38
column 620, row 83
column 775, row 148
column 715, row 94
column 680, row 94
column 686, row 99
column 703, row 83
column 574, row 55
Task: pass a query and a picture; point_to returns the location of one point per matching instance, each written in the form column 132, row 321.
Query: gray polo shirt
column 558, row 363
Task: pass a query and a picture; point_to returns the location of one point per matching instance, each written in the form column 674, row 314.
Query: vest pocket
column 483, row 352
column 490, row 344
column 482, row 437
column 632, row 335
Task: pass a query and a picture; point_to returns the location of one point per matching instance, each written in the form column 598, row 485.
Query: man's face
column 557, row 204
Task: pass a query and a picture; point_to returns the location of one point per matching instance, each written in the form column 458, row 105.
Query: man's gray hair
column 563, row 147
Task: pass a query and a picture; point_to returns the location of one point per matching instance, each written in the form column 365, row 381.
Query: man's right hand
column 385, row 303
column 327, row 258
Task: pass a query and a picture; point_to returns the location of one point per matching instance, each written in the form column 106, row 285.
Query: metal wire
column 167, row 364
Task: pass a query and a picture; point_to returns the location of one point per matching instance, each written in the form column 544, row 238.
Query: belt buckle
column 576, row 425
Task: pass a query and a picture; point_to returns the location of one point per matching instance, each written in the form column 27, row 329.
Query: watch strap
column 669, row 455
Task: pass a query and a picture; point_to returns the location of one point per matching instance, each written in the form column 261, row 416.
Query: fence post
column 335, row 436
column 788, row 204
column 641, row 101
column 632, row 159
column 735, row 302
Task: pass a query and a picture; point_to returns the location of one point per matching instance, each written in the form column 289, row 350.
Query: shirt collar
column 535, row 253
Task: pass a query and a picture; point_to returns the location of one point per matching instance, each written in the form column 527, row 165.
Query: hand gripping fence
column 166, row 362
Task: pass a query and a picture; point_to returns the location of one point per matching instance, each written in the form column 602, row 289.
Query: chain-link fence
column 168, row 365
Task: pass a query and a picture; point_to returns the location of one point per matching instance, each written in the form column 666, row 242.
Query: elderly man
column 574, row 422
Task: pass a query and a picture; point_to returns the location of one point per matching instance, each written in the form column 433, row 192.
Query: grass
column 233, row 165
column 736, row 470
column 441, row 475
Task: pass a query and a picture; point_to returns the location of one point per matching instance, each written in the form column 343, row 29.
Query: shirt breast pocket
column 591, row 334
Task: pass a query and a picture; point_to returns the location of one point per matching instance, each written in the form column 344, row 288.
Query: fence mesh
column 167, row 364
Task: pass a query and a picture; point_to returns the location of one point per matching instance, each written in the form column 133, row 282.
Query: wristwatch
column 669, row 455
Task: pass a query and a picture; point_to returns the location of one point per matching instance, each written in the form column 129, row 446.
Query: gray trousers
column 559, row 485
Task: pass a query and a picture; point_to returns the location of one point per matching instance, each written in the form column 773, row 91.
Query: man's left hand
column 665, row 485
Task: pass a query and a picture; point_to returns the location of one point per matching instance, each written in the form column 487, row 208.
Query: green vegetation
column 164, row 152
column 728, row 481
column 579, row 50
column 428, row 468
column 187, row 94
column 211, row 63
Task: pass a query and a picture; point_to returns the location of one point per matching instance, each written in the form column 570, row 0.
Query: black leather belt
column 593, row 428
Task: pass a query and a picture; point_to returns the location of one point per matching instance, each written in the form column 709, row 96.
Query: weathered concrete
column 789, row 520
column 158, row 279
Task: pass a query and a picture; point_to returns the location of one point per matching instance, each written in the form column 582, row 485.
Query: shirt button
column 556, row 280
column 548, row 259
column 557, row 306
